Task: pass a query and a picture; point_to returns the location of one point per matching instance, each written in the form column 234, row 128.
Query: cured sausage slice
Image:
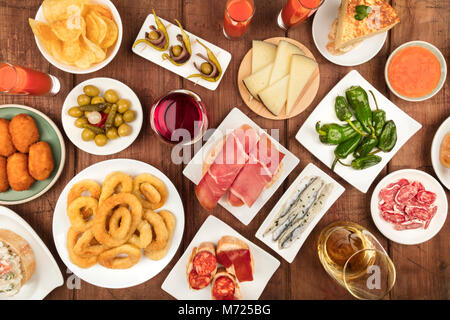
column 426, row 197
column 204, row 263
column 224, row 288
column 197, row 281
column 406, row 193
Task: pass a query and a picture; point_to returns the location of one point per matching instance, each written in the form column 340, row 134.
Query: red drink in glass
column 297, row 11
column 238, row 14
column 179, row 117
column 15, row 79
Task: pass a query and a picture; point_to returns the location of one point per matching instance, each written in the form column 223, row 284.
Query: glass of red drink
column 15, row 79
column 297, row 11
column 238, row 14
column 179, row 117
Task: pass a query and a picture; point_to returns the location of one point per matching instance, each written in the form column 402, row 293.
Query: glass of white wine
column 352, row 256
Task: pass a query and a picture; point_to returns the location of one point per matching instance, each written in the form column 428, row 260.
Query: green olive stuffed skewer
column 158, row 38
column 179, row 54
column 209, row 70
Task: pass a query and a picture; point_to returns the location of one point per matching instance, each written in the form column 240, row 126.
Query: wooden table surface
column 422, row 270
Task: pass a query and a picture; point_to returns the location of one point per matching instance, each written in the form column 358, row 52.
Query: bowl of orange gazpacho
column 415, row 71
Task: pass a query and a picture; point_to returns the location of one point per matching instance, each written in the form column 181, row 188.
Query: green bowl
column 49, row 133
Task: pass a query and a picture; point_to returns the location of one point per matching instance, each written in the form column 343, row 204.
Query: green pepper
column 187, row 50
column 388, row 137
column 366, row 146
column 359, row 102
column 159, row 28
column 365, row 162
column 93, row 107
column 378, row 117
column 211, row 58
column 333, row 133
column 344, row 113
column 111, row 116
column 344, row 149
column 96, row 130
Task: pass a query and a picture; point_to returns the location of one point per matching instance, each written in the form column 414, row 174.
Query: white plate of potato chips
column 78, row 36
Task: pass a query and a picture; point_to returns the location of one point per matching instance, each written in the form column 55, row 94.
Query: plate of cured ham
column 220, row 264
column 409, row 206
column 239, row 154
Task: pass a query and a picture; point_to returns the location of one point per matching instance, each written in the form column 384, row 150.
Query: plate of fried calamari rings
column 118, row 223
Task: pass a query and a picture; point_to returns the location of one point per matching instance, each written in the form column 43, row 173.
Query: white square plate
column 47, row 275
column 324, row 112
column 155, row 56
column 232, row 121
column 212, row 230
column 290, row 253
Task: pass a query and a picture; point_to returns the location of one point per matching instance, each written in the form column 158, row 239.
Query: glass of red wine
column 179, row 117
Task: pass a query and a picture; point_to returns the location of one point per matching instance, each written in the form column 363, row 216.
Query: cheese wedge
column 263, row 53
column 282, row 61
column 302, row 68
column 258, row 80
column 349, row 30
column 274, row 97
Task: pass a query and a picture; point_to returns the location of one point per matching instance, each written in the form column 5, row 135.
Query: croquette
column 24, row 132
column 17, row 170
column 4, row 185
column 6, row 145
column 40, row 160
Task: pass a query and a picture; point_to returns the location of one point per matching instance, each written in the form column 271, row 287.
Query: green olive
column 75, row 112
column 111, row 96
column 100, row 140
column 91, row 90
column 83, row 100
column 129, row 116
column 87, row 135
column 80, row 122
column 97, row 100
column 112, row 134
column 153, row 35
column 118, row 120
column 176, row 50
column 123, row 105
column 124, row 130
column 206, row 68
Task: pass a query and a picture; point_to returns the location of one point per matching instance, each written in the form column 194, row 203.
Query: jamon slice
column 257, row 173
column 226, row 166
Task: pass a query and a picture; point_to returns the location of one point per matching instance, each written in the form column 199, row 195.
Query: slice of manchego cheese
column 274, row 97
column 302, row 68
column 263, row 53
column 258, row 80
column 282, row 61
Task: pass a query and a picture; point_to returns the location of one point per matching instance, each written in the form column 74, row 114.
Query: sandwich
column 224, row 286
column 235, row 255
column 202, row 266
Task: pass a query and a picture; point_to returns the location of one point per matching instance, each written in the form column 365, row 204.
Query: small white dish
column 414, row 236
column 145, row 269
column 155, row 56
column 437, row 54
column 442, row 172
column 109, row 55
column 212, row 230
column 235, row 119
column 113, row 146
column 321, row 27
column 290, row 253
column 324, row 112
column 47, row 275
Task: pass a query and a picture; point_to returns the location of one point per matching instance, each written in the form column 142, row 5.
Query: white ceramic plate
column 155, row 56
column 235, row 119
column 146, row 268
column 47, row 275
column 290, row 253
column 414, row 236
column 442, row 172
column 321, row 27
column 212, row 230
column 112, row 51
column 113, row 146
column 324, row 112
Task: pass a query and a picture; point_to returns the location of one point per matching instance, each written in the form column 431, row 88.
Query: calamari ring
column 120, row 222
column 87, row 246
column 146, row 193
column 115, row 180
column 161, row 234
column 170, row 221
column 76, row 217
column 77, row 190
column 82, row 261
column 145, row 235
column 104, row 211
column 109, row 258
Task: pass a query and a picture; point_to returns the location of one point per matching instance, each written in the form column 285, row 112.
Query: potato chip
column 98, row 52
column 44, row 33
column 98, row 34
column 111, row 34
column 101, row 10
column 91, row 28
column 55, row 10
column 69, row 29
column 71, row 51
column 87, row 57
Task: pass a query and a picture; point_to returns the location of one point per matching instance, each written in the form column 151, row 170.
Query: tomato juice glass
column 238, row 14
column 15, row 79
column 297, row 11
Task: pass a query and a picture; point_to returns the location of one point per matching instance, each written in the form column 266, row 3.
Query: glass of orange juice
column 238, row 14
column 16, row 79
column 297, row 11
